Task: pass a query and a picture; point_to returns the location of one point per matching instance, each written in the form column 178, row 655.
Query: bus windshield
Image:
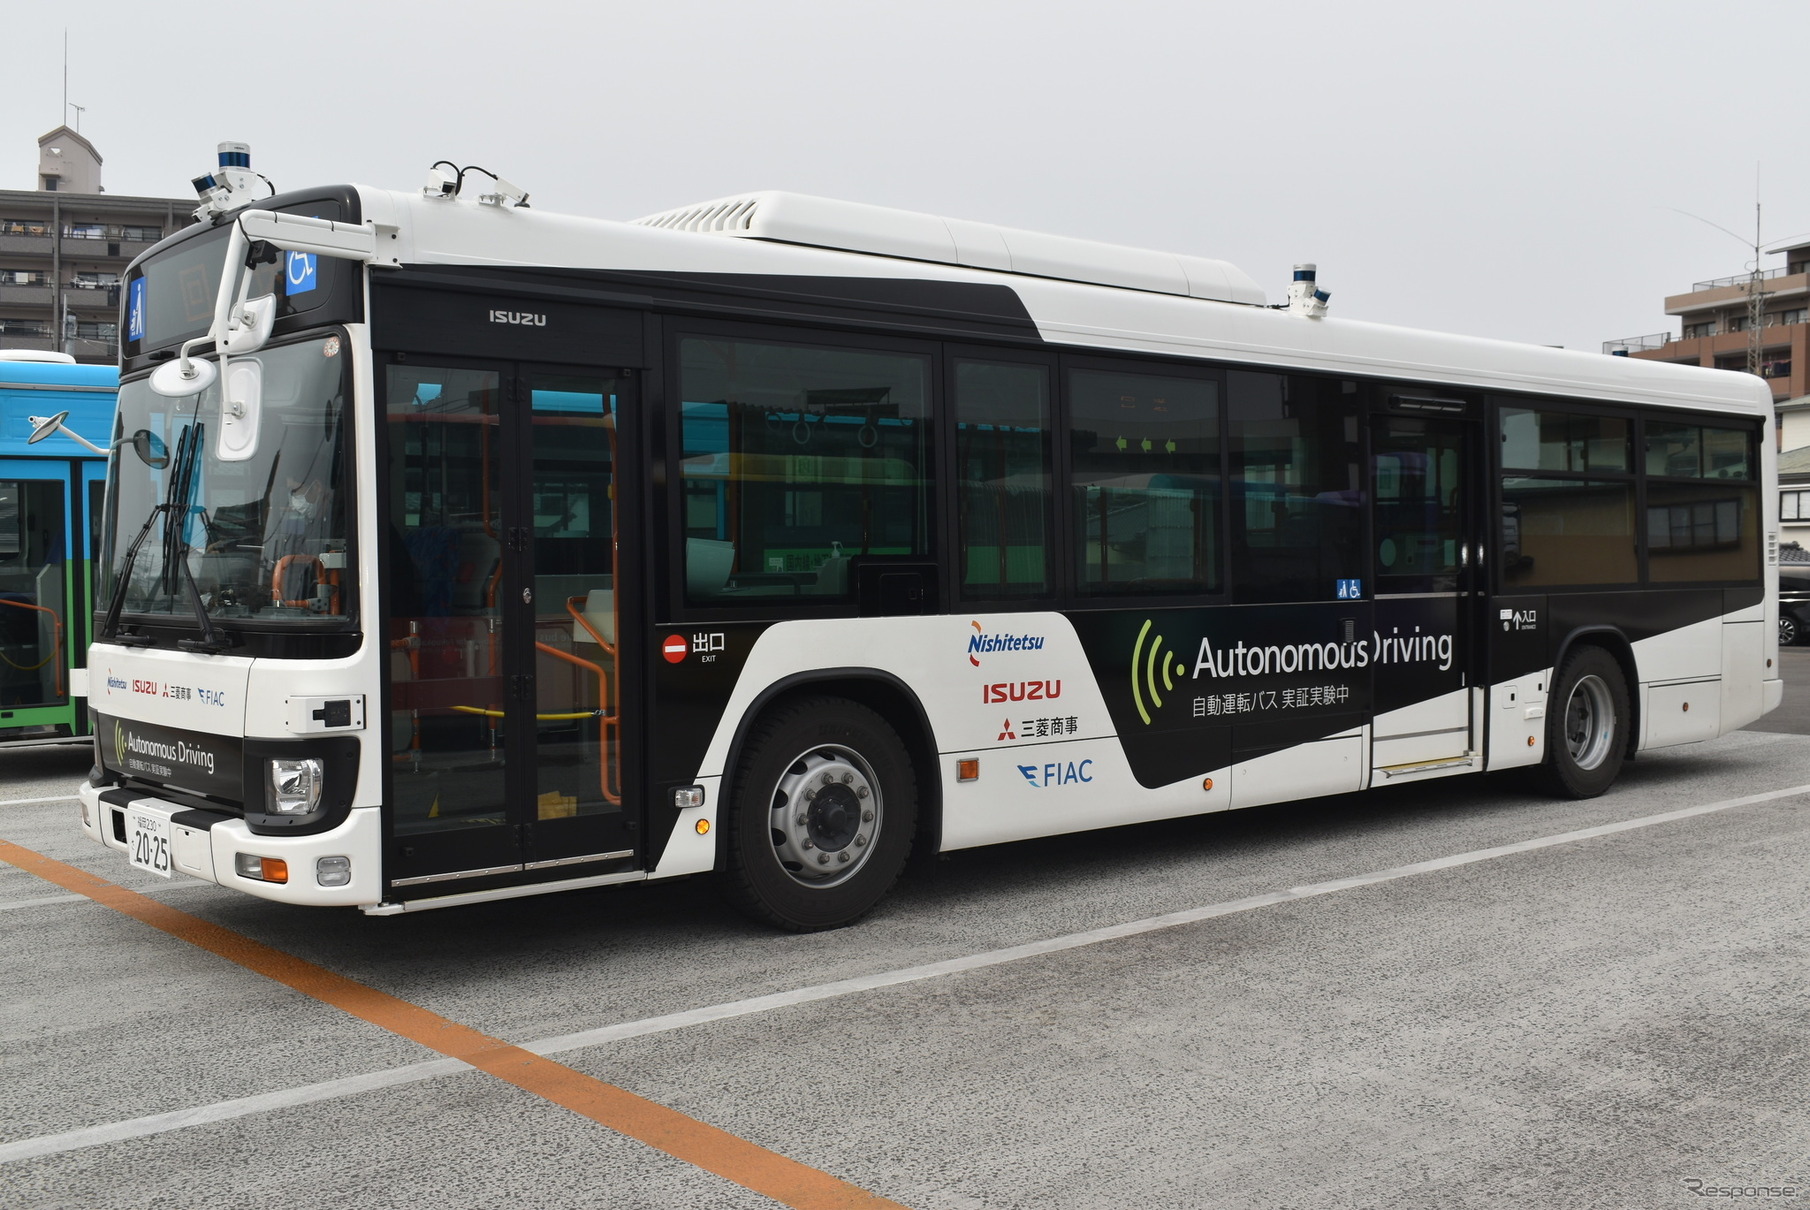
column 262, row 537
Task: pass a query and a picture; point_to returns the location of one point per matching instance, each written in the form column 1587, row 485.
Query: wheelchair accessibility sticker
column 300, row 273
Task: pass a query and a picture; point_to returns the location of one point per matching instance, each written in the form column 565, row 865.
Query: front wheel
column 821, row 816
column 1587, row 718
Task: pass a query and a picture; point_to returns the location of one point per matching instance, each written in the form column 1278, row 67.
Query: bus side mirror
column 150, row 449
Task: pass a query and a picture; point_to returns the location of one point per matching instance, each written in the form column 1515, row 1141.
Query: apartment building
column 64, row 247
column 1716, row 319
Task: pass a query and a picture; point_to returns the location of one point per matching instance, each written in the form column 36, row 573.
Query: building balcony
column 1725, row 292
column 89, row 251
column 1738, row 279
column 1637, row 344
column 25, row 296
column 25, row 245
column 39, row 344
column 92, row 298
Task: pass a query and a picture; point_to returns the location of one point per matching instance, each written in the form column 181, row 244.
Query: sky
column 1514, row 171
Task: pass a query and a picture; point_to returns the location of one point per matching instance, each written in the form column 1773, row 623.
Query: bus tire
column 1587, row 718
column 821, row 816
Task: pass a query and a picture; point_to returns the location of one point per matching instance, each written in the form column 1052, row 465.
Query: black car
column 1794, row 598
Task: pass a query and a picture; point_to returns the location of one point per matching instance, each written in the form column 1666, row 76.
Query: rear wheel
column 1587, row 718
column 822, row 815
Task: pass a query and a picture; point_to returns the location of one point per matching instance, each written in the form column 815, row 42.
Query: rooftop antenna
column 79, row 110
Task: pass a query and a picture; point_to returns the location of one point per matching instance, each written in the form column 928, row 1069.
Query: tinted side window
column 1002, row 462
column 1702, row 531
column 1145, row 485
column 1564, row 441
column 1692, row 451
column 1297, row 499
column 1567, row 531
column 794, row 459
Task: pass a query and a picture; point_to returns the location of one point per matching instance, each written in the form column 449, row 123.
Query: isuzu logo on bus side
column 518, row 317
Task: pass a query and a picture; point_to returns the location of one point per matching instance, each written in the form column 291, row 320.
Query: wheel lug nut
column 809, row 795
column 829, row 779
column 805, row 844
column 860, row 841
column 867, row 817
column 847, row 777
column 823, row 859
column 861, row 793
column 842, row 856
column 803, row 820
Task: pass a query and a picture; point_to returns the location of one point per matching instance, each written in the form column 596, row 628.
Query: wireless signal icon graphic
column 1146, row 668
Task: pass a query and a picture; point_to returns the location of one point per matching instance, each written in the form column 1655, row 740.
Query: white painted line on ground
column 26, row 802
column 932, row 970
column 221, row 1111
column 333, row 1089
column 42, row 900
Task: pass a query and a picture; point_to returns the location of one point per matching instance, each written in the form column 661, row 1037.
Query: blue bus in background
column 50, row 508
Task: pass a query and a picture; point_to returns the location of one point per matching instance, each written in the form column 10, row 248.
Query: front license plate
column 148, row 842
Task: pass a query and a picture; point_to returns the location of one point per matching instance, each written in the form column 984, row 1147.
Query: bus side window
column 794, row 460
column 1145, row 488
column 1298, row 498
column 1003, row 475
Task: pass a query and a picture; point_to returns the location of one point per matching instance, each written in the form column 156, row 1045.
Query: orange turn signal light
column 1207, row 784
column 702, row 827
column 967, row 770
column 275, row 869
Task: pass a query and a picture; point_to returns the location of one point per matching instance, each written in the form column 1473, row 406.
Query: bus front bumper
column 213, row 848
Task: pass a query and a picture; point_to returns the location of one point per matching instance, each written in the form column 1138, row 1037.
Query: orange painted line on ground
column 716, row 1151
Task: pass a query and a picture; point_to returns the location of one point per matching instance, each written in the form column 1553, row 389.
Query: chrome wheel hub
column 1589, row 722
column 826, row 814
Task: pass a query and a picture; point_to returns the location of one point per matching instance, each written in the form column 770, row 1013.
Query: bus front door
column 36, row 627
column 505, row 761
column 1424, row 529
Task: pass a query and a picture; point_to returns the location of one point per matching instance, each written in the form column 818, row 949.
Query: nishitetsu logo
column 982, row 643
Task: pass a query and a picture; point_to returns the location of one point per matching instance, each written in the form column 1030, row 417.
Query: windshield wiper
column 175, row 512
column 212, row 640
column 118, row 601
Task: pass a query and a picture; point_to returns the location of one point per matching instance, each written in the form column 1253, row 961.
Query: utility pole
column 1756, row 302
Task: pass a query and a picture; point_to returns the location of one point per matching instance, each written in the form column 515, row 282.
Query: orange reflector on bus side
column 703, row 827
column 1207, row 784
column 967, row 770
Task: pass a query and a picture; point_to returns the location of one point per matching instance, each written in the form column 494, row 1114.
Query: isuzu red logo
column 674, row 648
column 1021, row 691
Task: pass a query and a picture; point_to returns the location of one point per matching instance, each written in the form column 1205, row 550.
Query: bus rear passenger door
column 1425, row 543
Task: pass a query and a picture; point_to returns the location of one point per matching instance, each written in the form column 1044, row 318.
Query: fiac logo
column 981, row 643
column 1058, row 773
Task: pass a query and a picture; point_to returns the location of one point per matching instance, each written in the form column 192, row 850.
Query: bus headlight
column 295, row 784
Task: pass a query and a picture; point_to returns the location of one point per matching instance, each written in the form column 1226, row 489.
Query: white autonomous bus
column 457, row 551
